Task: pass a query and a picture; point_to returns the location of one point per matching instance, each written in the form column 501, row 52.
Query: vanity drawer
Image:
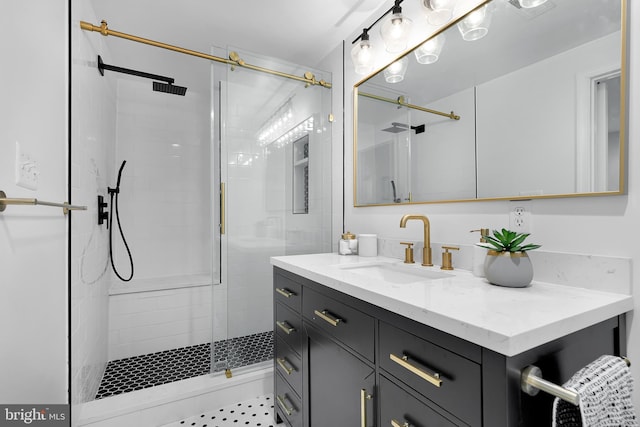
column 451, row 381
column 287, row 403
column 398, row 407
column 288, row 326
column 345, row 323
column 289, row 365
column 288, row 292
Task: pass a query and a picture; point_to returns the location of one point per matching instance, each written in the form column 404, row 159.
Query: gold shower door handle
column 288, row 329
column 284, row 406
column 395, row 423
column 327, row 317
column 282, row 362
column 364, row 396
column 433, row 378
column 223, row 199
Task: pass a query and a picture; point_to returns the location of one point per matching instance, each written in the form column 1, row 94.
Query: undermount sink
column 398, row 273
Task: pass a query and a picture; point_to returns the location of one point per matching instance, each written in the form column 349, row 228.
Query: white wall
column 597, row 225
column 33, row 239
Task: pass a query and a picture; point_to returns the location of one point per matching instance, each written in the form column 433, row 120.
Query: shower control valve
column 103, row 215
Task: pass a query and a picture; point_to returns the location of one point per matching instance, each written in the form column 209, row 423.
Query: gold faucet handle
column 484, row 232
column 447, row 263
column 408, row 252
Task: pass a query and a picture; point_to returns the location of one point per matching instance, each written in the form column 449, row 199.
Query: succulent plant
column 507, row 241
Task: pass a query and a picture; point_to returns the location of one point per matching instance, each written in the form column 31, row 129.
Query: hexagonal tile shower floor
column 256, row 412
column 149, row 370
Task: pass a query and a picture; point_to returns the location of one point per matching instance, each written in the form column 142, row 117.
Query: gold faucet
column 426, row 250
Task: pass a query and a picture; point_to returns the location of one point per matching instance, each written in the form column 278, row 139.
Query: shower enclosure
column 216, row 182
column 275, row 168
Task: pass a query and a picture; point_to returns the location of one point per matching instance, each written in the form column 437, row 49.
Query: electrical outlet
column 520, row 220
column 26, row 169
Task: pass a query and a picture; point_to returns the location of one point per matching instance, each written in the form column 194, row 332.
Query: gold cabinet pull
column 287, row 328
column 283, row 405
column 395, row 423
column 364, row 396
column 419, row 371
column 324, row 315
column 282, row 362
column 285, row 292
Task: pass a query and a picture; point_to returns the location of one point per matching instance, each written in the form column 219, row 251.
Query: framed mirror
column 534, row 108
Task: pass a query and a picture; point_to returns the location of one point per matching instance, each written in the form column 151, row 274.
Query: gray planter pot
column 511, row 269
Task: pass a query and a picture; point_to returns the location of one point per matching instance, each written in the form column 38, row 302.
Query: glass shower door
column 275, row 151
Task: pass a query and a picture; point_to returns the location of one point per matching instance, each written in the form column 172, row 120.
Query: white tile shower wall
column 148, row 322
column 93, row 117
column 165, row 195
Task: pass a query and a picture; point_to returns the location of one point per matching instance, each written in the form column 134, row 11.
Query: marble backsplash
column 596, row 272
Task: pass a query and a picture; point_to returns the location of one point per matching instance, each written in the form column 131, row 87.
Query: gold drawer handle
column 285, row 292
column 324, row 315
column 395, row 423
column 288, row 329
column 419, row 371
column 283, row 405
column 364, row 396
column 283, row 364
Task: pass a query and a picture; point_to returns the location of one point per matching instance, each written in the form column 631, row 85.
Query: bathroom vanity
column 372, row 342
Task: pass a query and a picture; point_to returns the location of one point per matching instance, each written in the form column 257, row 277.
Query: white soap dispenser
column 348, row 244
column 479, row 254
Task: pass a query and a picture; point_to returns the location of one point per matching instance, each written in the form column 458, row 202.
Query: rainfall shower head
column 401, row 127
column 396, row 128
column 169, row 88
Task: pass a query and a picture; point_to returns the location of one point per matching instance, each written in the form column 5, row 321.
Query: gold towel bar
column 531, row 382
column 66, row 207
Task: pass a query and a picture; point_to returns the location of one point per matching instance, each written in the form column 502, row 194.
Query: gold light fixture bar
column 234, row 59
column 401, row 101
column 66, row 207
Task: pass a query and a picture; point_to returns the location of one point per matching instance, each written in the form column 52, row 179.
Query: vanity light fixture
column 476, row 25
column 362, row 54
column 429, row 51
column 395, row 30
column 438, row 12
column 528, row 4
column 395, row 72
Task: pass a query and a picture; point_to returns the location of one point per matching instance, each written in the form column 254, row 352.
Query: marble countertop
column 506, row 320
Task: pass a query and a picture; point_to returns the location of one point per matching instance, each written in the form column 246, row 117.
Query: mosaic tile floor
column 254, row 412
column 149, row 370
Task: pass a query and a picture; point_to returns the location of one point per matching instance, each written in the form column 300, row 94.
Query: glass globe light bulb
column 476, row 24
column 438, row 12
column 362, row 56
column 395, row 72
column 395, row 32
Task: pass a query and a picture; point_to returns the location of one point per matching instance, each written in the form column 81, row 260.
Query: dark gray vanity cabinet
column 350, row 363
column 340, row 384
column 288, row 341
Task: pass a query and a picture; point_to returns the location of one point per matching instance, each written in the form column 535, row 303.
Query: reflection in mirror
column 539, row 105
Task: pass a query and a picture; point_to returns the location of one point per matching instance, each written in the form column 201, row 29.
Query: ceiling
column 301, row 31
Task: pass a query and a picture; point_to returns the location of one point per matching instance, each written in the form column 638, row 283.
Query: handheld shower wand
column 114, row 192
column 395, row 198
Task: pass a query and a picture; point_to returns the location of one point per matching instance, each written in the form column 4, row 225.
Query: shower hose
column 115, row 192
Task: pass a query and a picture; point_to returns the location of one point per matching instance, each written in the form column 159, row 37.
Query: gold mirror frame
column 623, row 180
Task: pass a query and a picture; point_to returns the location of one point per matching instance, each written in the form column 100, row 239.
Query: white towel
column 605, row 387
